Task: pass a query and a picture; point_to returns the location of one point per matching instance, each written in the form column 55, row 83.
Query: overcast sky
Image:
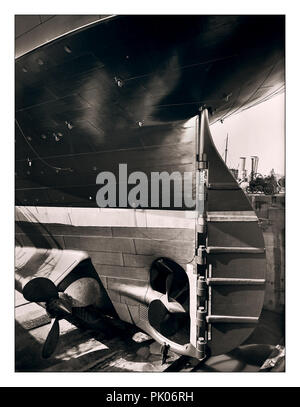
column 257, row 131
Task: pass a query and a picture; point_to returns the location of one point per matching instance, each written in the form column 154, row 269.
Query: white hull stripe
column 107, row 217
column 232, row 216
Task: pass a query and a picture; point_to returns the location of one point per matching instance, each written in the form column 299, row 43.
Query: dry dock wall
column 271, row 211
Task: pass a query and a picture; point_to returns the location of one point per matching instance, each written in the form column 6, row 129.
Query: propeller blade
column 169, row 282
column 173, row 306
column 40, row 289
column 175, row 292
column 169, row 277
column 162, row 319
column 51, row 340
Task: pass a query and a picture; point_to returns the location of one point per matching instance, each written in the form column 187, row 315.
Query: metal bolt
column 67, row 49
column 69, row 125
column 119, row 82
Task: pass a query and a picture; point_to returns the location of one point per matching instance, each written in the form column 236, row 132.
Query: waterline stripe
column 103, row 217
column 232, row 216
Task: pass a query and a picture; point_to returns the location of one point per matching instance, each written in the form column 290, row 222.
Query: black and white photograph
column 149, row 192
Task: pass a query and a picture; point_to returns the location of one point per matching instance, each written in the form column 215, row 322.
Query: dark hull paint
column 169, row 67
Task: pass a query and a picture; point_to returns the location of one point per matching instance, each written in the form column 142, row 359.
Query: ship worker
column 164, row 352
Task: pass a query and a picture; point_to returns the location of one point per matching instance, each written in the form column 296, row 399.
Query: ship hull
column 143, row 91
column 125, row 91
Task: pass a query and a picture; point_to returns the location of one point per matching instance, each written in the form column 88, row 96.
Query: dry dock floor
column 117, row 348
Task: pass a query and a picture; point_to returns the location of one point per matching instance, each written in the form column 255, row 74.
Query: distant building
column 242, row 168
